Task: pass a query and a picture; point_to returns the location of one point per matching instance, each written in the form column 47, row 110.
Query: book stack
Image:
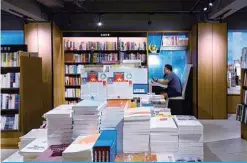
column 10, row 101
column 136, row 130
column 190, row 136
column 10, row 59
column 31, row 136
column 147, row 100
column 73, row 69
column 10, row 80
column 59, row 125
column 81, row 149
column 34, row 149
column 10, row 122
column 73, row 92
column 52, row 154
column 241, row 113
column 105, row 148
column 86, row 117
column 112, row 118
column 163, row 135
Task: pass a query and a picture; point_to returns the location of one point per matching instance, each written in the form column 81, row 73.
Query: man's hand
column 154, row 80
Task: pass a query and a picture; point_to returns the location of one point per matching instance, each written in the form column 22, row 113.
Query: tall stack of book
column 86, row 117
column 163, row 135
column 136, row 130
column 34, row 149
column 10, row 122
column 31, row 136
column 10, row 59
column 80, row 149
column 112, row 118
column 59, row 125
column 10, row 101
column 241, row 113
column 105, row 148
column 190, row 137
column 10, row 80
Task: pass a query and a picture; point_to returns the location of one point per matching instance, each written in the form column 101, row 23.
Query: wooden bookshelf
column 121, row 46
column 243, row 89
column 30, row 101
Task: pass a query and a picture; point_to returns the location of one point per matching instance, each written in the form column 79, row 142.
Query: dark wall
column 11, row 22
column 126, row 22
column 237, row 21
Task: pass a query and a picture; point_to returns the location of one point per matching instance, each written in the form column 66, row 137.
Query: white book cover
column 60, row 111
column 162, row 123
column 16, row 125
column 34, row 133
column 81, row 147
column 35, row 147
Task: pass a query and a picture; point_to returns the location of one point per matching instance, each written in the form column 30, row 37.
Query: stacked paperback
column 31, row 136
column 59, row 125
column 136, row 130
column 86, row 117
column 163, row 135
column 34, row 149
column 81, row 149
column 112, row 118
column 190, row 132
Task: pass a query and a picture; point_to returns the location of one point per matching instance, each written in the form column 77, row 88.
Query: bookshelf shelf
column 82, row 63
column 9, row 69
column 72, row 98
column 91, row 51
column 72, row 86
column 174, row 48
column 9, row 111
column 9, row 130
column 72, row 74
column 10, row 90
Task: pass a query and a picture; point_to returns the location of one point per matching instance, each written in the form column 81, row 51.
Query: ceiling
column 123, row 6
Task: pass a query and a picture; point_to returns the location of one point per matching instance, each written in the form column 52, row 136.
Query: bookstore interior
column 123, row 81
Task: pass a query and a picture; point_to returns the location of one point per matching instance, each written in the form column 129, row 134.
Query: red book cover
column 52, row 154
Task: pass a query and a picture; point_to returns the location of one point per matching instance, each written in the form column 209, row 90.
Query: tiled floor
column 221, row 137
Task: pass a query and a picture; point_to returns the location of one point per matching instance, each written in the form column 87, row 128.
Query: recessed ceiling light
column 210, row 4
column 205, row 9
column 99, row 24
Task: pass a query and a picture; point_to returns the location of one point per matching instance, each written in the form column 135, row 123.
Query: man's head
column 167, row 69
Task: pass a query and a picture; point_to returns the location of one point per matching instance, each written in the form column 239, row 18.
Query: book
column 10, row 59
column 10, row 80
column 10, row 101
column 72, row 92
column 10, row 122
column 105, row 148
column 31, row 136
column 72, row 80
column 52, row 154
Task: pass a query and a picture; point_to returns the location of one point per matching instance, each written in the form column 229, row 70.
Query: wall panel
column 205, row 76
column 219, row 71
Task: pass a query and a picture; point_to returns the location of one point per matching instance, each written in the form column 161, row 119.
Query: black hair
column 169, row 67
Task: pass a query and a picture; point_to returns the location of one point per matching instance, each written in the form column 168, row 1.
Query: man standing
column 174, row 86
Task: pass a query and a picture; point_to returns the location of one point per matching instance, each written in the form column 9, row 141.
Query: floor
column 221, row 137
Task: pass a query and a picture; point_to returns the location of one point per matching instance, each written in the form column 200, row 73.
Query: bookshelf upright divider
column 29, row 102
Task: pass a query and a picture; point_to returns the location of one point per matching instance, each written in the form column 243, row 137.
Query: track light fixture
column 99, row 24
column 205, row 9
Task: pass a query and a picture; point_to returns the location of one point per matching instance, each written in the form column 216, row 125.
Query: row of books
column 10, row 59
column 72, row 92
column 132, row 45
column 10, row 80
column 174, row 41
column 245, row 79
column 89, row 45
column 72, row 80
column 71, row 102
column 10, row 122
column 241, row 113
column 94, row 57
column 245, row 96
column 73, row 69
column 10, row 101
column 132, row 56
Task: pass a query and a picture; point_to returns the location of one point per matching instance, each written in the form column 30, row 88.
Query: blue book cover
column 105, row 148
column 17, row 101
column 12, row 79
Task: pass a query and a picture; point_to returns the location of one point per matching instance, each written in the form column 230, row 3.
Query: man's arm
column 164, row 82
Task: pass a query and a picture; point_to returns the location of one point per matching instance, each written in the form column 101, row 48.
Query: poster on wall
column 237, row 59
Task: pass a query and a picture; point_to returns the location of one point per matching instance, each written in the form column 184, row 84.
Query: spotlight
column 210, row 4
column 99, row 24
column 205, row 9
